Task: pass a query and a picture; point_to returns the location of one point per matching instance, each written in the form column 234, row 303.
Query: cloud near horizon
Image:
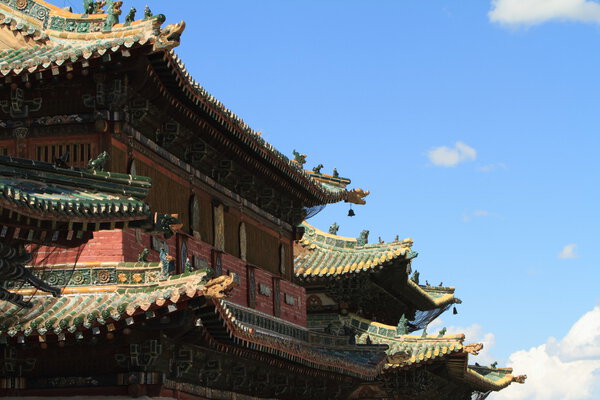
column 445, row 156
column 533, row 12
column 568, row 251
column 567, row 369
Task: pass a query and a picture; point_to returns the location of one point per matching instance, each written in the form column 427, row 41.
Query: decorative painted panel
column 219, row 227
column 251, row 287
column 243, row 242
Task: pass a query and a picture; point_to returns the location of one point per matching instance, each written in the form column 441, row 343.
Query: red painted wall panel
column 126, row 245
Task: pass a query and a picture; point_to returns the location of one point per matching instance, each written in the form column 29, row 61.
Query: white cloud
column 491, row 167
column 532, row 12
column 473, row 334
column 568, row 251
column 478, row 214
column 445, row 156
column 568, row 369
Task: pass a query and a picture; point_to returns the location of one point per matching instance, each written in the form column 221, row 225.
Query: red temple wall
column 126, row 245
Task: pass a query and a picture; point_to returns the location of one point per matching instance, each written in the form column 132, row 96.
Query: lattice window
column 79, row 153
column 3, row 151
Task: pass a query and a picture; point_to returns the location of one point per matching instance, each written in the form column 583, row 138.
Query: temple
column 153, row 244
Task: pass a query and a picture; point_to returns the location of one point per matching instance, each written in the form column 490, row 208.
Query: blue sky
column 384, row 91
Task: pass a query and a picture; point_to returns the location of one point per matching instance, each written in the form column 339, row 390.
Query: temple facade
column 153, row 244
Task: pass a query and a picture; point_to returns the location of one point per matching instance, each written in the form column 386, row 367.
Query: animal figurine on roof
column 317, row 169
column 356, row 196
column 219, row 287
column 130, row 17
column 363, row 238
column 61, row 162
column 300, row 159
column 334, row 228
column 97, row 164
column 147, row 12
column 113, row 9
column 143, row 256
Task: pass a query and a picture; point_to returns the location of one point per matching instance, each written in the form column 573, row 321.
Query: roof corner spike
column 356, row 196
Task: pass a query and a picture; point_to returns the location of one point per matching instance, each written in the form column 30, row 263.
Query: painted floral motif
column 103, row 276
column 77, row 278
column 137, row 278
column 153, row 276
column 122, row 277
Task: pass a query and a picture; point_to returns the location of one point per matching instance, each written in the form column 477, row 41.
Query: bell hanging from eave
column 454, row 310
column 351, row 212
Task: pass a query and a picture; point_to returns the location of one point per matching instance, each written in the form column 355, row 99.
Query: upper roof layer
column 326, row 189
column 37, row 35
column 44, row 191
column 409, row 351
column 322, row 255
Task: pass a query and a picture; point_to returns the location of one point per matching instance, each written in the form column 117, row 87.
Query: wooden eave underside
column 180, row 95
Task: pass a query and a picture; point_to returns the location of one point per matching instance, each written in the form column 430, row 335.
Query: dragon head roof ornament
column 169, row 36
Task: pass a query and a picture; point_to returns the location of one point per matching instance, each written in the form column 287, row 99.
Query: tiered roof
column 122, row 295
column 323, row 255
column 406, row 352
column 48, row 192
column 36, row 35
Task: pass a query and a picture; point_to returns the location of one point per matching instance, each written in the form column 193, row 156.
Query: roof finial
column 363, row 239
column 113, row 9
column 333, row 229
column 415, row 277
column 402, row 328
column 317, row 169
column 299, row 159
column 93, row 7
column 130, row 17
column 442, row 332
column 336, row 174
column 424, row 334
column 147, row 12
column 97, row 164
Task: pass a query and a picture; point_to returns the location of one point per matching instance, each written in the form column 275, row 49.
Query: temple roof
column 106, row 297
column 365, row 362
column 488, row 378
column 38, row 35
column 323, row 255
column 97, row 296
column 409, row 351
column 44, row 191
column 327, row 190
